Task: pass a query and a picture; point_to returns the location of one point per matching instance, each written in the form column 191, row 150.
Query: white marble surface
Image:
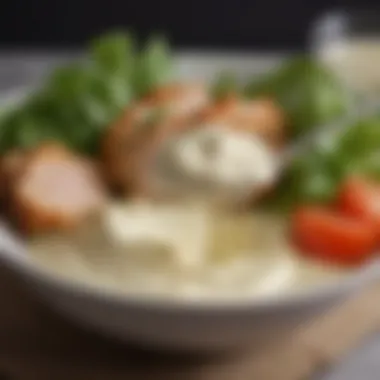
column 20, row 69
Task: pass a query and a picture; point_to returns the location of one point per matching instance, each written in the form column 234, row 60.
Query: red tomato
column 329, row 236
column 360, row 199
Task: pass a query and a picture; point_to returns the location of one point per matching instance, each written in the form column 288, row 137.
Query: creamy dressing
column 182, row 231
column 144, row 250
column 215, row 161
column 227, row 157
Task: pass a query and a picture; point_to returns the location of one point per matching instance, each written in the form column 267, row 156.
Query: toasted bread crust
column 131, row 140
column 260, row 116
column 32, row 212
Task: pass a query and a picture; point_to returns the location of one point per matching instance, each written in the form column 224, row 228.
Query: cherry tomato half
column 330, row 236
column 360, row 199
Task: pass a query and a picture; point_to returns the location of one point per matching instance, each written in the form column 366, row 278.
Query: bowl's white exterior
column 185, row 325
column 182, row 325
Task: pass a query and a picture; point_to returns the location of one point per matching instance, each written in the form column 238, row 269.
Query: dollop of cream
column 223, row 160
column 227, row 156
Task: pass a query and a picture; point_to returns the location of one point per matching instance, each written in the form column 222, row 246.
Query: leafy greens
column 78, row 101
column 314, row 176
column 310, row 94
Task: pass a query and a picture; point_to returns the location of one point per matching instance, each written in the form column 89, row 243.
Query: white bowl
column 185, row 325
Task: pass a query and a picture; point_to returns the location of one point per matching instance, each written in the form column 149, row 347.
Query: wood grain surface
column 36, row 344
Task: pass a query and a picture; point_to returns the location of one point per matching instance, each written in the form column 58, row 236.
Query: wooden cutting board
column 36, row 344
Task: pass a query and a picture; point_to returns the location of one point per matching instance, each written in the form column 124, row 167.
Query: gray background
column 19, row 70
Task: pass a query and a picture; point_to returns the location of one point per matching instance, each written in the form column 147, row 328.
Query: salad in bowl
column 159, row 208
